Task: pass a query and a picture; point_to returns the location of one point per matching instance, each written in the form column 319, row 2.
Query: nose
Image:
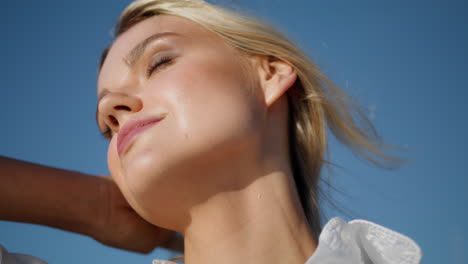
column 116, row 107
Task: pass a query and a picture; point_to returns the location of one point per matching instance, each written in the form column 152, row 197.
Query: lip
column 131, row 129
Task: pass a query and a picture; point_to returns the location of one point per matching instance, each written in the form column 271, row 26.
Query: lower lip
column 123, row 146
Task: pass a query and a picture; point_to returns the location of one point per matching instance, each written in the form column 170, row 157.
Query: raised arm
column 76, row 202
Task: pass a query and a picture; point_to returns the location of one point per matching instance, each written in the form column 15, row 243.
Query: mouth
column 131, row 130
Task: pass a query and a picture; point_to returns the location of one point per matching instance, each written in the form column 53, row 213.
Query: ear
column 275, row 77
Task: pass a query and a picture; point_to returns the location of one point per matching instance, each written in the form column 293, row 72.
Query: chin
column 164, row 176
column 150, row 178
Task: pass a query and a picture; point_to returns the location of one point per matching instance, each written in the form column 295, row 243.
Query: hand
column 121, row 227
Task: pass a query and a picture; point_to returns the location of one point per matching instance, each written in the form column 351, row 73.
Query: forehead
column 158, row 24
column 190, row 31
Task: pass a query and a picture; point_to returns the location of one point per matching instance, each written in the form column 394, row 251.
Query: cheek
column 212, row 92
column 212, row 104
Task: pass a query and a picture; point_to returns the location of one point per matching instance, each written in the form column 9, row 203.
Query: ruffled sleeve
column 363, row 242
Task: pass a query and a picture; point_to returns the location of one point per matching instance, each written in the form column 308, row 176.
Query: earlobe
column 276, row 77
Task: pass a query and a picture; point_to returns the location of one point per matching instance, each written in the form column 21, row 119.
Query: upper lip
column 131, row 129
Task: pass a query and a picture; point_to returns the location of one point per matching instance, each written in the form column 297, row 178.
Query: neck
column 260, row 223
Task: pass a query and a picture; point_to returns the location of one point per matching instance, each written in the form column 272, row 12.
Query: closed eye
column 158, row 64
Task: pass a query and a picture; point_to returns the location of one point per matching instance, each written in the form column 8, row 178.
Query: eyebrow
column 135, row 54
column 132, row 58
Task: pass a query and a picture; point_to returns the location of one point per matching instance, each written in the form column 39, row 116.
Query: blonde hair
column 315, row 102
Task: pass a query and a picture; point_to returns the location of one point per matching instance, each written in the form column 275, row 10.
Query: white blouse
column 363, row 242
column 359, row 242
column 355, row 242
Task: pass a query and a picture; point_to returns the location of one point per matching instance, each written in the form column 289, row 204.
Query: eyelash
column 163, row 61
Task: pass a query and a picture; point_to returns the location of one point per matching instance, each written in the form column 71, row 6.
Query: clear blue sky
column 404, row 60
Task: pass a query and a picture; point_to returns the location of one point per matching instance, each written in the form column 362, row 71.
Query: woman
column 229, row 113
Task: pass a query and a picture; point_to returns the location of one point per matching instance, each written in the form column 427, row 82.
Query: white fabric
column 359, row 242
column 355, row 242
column 363, row 242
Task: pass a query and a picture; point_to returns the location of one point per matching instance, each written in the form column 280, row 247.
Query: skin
column 216, row 167
column 76, row 202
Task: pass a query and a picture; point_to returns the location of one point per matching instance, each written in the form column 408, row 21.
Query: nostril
column 114, row 120
column 122, row 107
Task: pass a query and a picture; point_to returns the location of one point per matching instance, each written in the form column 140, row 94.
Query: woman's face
column 177, row 100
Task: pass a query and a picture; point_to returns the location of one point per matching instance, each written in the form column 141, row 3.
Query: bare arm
column 76, row 202
column 48, row 196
